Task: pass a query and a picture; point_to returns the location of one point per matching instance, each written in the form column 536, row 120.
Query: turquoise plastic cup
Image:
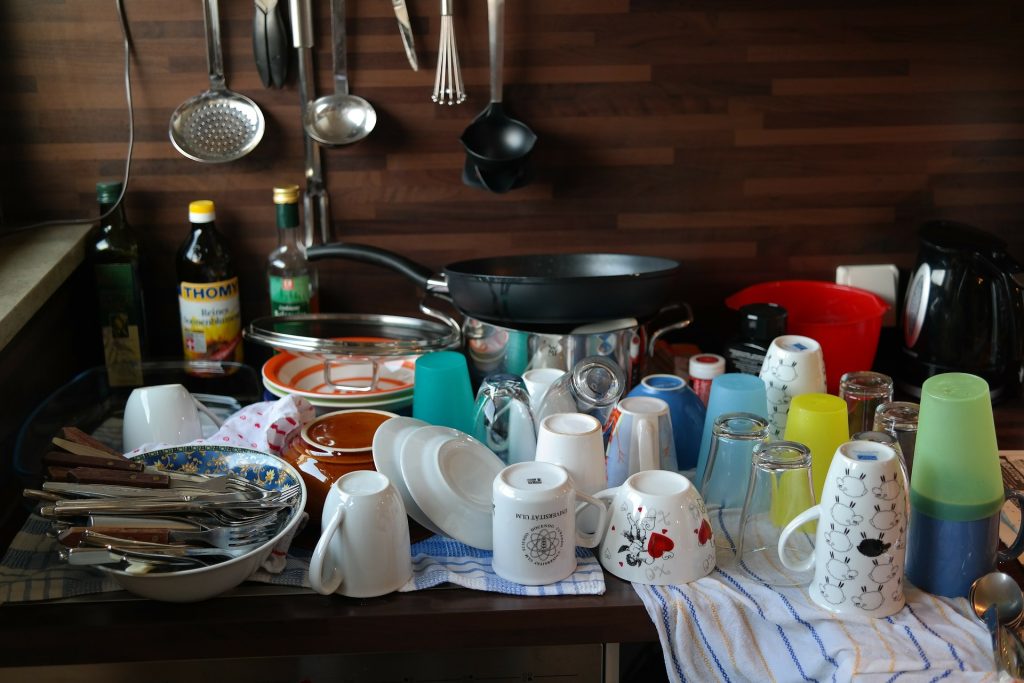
column 733, row 392
column 442, row 394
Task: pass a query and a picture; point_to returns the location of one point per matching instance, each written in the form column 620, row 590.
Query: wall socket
column 881, row 279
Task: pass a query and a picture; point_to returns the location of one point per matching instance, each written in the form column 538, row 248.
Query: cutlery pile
column 105, row 509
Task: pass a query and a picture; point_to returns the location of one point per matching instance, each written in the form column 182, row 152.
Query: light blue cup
column 686, row 411
column 733, row 392
column 442, row 394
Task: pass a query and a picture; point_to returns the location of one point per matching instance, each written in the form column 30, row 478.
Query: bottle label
column 211, row 320
column 289, row 295
column 120, row 317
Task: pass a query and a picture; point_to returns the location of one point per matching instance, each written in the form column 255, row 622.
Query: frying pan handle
column 420, row 274
column 677, row 325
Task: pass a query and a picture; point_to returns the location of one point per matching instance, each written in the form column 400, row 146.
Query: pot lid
column 348, row 335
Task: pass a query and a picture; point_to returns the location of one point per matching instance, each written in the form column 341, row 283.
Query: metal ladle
column 218, row 124
column 495, row 140
column 341, row 118
column 999, row 603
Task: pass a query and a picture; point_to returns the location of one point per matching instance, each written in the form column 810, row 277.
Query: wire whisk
column 448, row 88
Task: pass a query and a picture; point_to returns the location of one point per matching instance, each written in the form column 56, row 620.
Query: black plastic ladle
column 493, row 139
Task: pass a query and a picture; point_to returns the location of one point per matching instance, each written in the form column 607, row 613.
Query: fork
column 218, row 537
column 163, row 550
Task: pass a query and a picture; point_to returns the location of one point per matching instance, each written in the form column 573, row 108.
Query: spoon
column 494, row 139
column 341, row 118
column 999, row 590
column 999, row 603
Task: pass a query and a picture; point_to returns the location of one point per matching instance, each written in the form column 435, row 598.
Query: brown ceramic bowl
column 327, row 448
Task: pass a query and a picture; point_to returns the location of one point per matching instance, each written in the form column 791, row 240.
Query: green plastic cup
column 442, row 394
column 820, row 422
column 956, row 473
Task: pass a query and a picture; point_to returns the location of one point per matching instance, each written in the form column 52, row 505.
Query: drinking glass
column 733, row 392
column 502, row 419
column 863, row 392
column 593, row 387
column 779, row 487
column 735, row 437
column 899, row 418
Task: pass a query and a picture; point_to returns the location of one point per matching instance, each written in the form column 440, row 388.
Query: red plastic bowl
column 846, row 321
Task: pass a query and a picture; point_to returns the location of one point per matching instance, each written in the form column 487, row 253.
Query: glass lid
column 347, row 335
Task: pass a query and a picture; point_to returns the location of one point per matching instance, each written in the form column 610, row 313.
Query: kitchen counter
column 257, row 620
column 33, row 264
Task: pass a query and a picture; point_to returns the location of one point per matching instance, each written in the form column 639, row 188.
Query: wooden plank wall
column 751, row 141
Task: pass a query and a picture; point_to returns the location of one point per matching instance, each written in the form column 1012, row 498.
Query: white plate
column 400, row 401
column 305, row 376
column 450, row 475
column 387, row 447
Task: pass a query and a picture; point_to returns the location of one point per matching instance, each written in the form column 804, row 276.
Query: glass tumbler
column 735, row 437
column 502, row 419
column 593, row 387
column 899, row 418
column 778, row 489
column 863, row 392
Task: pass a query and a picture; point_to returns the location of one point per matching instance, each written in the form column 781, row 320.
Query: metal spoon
column 217, row 125
column 341, row 118
column 999, row 603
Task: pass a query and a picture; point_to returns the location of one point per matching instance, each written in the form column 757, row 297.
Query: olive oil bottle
column 292, row 280
column 211, row 319
column 114, row 253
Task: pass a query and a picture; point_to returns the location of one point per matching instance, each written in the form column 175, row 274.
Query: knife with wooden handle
column 405, row 29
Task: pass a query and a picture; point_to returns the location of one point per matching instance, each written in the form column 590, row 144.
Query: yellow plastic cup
column 820, row 422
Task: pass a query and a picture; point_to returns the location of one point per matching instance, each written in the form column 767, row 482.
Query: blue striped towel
column 440, row 559
column 30, row 570
column 731, row 627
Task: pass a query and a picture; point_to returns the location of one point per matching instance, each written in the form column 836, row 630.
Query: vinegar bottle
column 293, row 282
column 211, row 319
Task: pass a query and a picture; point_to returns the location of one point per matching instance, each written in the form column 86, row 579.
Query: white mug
column 576, row 442
column 537, row 383
column 861, row 541
column 658, row 531
column 794, row 365
column 364, row 548
column 535, row 531
column 163, row 414
column 641, row 438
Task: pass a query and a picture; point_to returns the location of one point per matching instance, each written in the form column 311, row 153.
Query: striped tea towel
column 731, row 627
column 440, row 559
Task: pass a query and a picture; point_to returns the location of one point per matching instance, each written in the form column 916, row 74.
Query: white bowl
column 193, row 585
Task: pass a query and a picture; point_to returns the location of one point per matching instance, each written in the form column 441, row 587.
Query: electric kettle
column 963, row 311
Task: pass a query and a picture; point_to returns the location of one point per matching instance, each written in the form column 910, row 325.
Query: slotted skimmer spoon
column 217, row 125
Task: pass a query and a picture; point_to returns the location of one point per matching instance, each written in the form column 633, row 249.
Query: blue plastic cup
column 442, row 394
column 733, row 392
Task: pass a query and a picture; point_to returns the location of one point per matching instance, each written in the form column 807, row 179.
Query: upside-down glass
column 442, row 394
column 863, row 392
column 899, row 418
column 733, row 392
column 502, row 419
column 593, row 387
column 735, row 437
column 780, row 469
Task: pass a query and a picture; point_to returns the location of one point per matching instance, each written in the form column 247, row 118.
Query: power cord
column 131, row 140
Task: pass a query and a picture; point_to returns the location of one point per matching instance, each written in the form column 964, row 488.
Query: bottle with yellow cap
column 211, row 319
column 293, row 282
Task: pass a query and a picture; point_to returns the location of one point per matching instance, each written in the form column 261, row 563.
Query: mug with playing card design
column 658, row 531
column 861, row 540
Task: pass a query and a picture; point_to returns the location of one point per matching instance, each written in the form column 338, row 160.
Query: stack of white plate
column 307, row 376
column 443, row 475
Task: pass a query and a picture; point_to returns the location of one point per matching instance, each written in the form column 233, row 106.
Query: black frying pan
column 516, row 291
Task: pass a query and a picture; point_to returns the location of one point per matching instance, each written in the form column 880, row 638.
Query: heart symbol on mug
column 659, row 545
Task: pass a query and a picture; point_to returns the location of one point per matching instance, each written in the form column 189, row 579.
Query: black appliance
column 963, row 311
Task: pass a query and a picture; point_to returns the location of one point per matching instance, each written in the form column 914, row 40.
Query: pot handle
column 365, row 253
column 677, row 325
column 443, row 317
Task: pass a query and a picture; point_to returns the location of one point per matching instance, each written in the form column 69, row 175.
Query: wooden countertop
column 33, row 265
column 268, row 620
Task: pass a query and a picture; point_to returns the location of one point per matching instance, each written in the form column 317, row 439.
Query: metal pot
column 492, row 348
